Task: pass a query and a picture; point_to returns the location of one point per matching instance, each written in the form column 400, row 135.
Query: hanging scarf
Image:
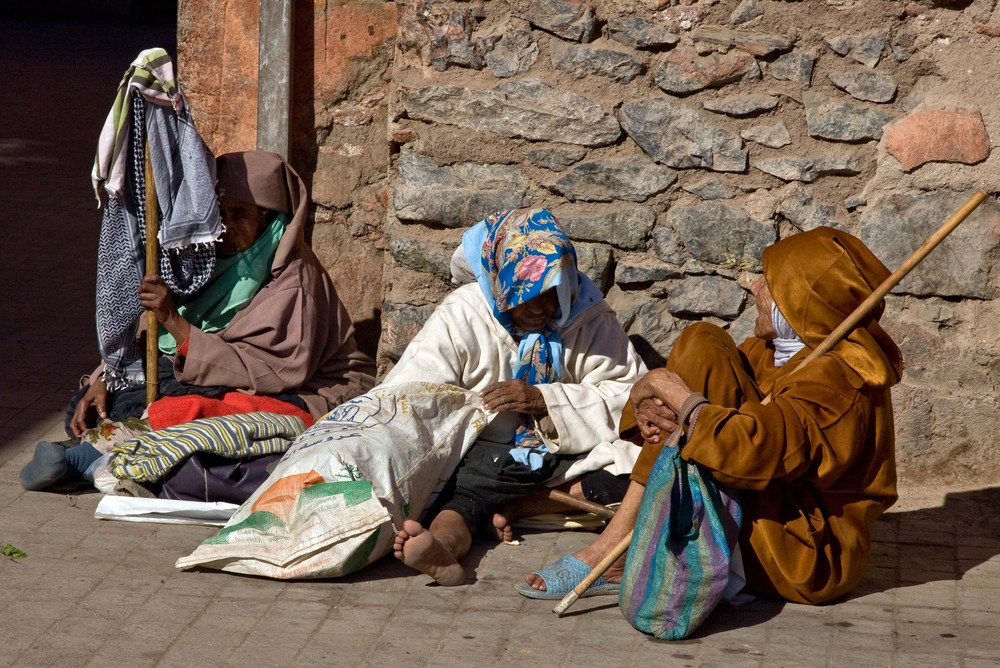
column 152, row 75
column 786, row 341
column 522, row 253
column 149, row 106
column 236, row 280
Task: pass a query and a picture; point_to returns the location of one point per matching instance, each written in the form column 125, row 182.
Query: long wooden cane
column 579, row 504
column 152, row 262
column 863, row 309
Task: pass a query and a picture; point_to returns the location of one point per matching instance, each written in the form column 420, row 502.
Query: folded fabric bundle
column 148, row 457
column 170, row 411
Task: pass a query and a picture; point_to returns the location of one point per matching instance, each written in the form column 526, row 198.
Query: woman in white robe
column 535, row 339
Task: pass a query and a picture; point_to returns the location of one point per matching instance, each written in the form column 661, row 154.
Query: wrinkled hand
column 95, row 399
column 155, row 296
column 655, row 419
column 660, row 384
column 513, row 395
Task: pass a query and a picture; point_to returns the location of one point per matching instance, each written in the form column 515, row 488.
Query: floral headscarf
column 523, row 253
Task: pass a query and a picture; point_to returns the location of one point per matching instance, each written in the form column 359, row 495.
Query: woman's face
column 243, row 221
column 763, row 327
column 535, row 313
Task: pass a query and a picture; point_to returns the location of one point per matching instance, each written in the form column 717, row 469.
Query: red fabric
column 182, row 349
column 168, row 411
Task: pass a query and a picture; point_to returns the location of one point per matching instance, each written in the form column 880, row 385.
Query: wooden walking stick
column 849, row 323
column 598, row 570
column 580, row 504
column 152, row 262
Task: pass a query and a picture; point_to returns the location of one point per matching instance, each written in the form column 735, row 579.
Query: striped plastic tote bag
column 678, row 562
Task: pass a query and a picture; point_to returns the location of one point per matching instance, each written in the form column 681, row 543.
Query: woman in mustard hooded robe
column 814, row 467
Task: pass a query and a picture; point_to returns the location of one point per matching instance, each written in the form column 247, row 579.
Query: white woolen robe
column 463, row 344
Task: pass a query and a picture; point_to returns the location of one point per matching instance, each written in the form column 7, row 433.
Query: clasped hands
column 656, row 399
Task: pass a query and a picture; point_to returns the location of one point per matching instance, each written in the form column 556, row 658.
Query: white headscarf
column 786, row 341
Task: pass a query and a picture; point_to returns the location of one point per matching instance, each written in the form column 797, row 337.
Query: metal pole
column 274, row 76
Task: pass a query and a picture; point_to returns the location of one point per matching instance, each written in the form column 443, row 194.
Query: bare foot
column 417, row 547
column 501, row 526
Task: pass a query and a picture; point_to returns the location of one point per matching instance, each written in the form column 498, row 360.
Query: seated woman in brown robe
column 268, row 323
column 814, row 467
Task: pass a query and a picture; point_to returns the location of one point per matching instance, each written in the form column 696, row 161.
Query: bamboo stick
column 152, row 262
column 580, row 504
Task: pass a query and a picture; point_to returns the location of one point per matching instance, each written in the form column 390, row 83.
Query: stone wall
column 674, row 141
column 342, row 55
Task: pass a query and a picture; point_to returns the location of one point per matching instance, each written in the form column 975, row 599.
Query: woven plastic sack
column 678, row 561
column 331, row 504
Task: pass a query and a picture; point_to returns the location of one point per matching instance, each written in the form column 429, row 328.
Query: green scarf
column 235, row 281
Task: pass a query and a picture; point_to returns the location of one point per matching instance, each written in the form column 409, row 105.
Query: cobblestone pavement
column 96, row 593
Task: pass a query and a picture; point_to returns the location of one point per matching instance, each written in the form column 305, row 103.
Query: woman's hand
column 655, row 419
column 660, row 384
column 656, row 398
column 513, row 395
column 155, row 296
column 95, row 398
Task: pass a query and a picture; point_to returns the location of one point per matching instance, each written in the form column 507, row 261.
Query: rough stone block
column 771, row 136
column 626, row 227
column 639, row 33
column 839, row 120
column 586, row 59
column 896, row 225
column 793, row 66
column 648, row 322
column 594, row 261
column 867, row 86
column 747, row 10
column 810, row 168
column 421, row 256
column 400, row 323
column 754, row 43
column 439, row 34
column 509, row 53
column 866, row 48
column 803, row 210
column 741, row 105
column 524, row 108
column 705, row 296
column 685, row 71
column 554, row 158
column 677, row 135
column 570, row 19
column 633, row 273
column 609, row 180
column 455, row 195
column 708, row 188
column 721, row 234
column 941, row 135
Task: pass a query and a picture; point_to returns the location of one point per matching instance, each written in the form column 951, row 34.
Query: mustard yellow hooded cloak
column 816, row 466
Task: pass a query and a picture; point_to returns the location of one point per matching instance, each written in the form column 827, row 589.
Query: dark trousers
column 489, row 478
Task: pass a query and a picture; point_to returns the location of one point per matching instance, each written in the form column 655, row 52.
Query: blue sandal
column 562, row 576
